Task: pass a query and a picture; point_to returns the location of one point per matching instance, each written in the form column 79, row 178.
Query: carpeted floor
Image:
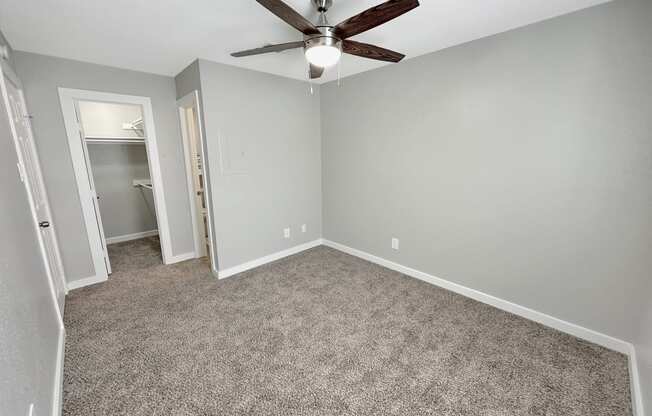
column 318, row 333
column 135, row 255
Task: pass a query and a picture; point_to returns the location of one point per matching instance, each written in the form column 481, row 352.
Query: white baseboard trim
column 87, row 281
column 57, row 394
column 590, row 335
column 181, row 257
column 129, row 237
column 563, row 326
column 635, row 382
column 267, row 259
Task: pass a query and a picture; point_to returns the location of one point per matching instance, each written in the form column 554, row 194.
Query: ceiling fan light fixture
column 323, row 43
column 323, row 56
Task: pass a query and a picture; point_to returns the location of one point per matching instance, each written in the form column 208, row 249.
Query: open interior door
column 91, row 184
column 30, row 173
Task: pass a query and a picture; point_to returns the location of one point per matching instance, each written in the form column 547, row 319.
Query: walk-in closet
column 116, row 155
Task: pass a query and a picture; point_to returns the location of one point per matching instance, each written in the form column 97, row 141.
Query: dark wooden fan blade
column 370, row 51
column 373, row 17
column 290, row 16
column 315, row 71
column 269, row 48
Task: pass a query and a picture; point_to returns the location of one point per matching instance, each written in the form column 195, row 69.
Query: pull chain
column 310, row 81
column 339, row 71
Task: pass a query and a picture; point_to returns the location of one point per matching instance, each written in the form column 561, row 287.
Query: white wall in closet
column 109, row 120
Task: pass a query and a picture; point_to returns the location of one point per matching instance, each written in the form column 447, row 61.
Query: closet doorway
column 115, row 157
column 197, row 176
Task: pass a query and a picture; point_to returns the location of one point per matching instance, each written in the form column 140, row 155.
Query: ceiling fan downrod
column 322, row 5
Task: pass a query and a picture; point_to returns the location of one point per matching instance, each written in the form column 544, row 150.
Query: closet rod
column 110, row 140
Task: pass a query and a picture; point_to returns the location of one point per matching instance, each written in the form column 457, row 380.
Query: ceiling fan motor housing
column 325, row 38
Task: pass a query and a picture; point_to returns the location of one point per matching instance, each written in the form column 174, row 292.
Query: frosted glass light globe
column 323, row 56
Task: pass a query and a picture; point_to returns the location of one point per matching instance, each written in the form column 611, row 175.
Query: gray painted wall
column 28, row 327
column 518, row 165
column 188, row 80
column 274, row 122
column 42, row 75
column 125, row 209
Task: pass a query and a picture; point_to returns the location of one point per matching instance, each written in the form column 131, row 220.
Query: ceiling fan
column 323, row 43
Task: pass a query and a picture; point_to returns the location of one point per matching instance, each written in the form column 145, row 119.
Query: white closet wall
column 106, row 119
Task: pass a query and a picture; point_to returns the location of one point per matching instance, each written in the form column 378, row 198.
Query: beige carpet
column 318, row 333
column 135, row 255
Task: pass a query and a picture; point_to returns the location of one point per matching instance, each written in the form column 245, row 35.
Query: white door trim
column 67, row 98
column 191, row 100
column 57, row 393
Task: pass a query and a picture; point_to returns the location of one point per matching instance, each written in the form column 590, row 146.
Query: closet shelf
column 142, row 183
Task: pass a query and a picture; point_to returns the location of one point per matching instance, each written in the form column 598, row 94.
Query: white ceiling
column 163, row 36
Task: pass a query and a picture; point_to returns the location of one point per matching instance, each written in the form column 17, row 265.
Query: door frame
column 7, row 73
column 191, row 100
column 68, row 98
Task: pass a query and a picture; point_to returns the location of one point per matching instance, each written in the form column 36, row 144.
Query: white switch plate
column 395, row 243
column 286, row 233
column 304, row 228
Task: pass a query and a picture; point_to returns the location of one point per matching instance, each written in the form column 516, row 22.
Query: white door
column 91, row 183
column 197, row 175
column 30, row 171
column 198, row 181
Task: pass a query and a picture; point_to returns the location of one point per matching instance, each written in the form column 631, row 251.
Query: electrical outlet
column 395, row 243
column 304, row 228
column 286, row 233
